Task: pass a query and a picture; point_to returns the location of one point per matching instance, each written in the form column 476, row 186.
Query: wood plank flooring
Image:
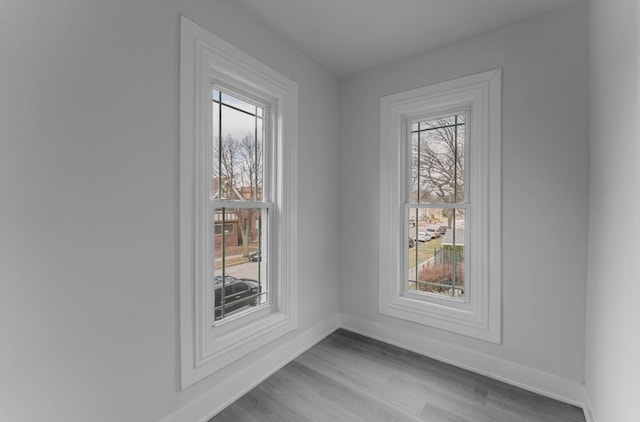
column 348, row 377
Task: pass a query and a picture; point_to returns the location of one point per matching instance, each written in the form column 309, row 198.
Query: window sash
column 265, row 247
column 404, row 281
column 268, row 117
column 408, row 147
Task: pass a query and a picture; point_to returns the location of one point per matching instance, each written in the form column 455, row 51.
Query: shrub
column 441, row 274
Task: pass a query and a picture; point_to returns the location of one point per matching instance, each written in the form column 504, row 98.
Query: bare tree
column 239, row 177
column 250, row 158
column 438, row 163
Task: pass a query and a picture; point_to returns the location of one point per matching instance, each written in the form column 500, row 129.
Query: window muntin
column 235, row 267
column 437, row 159
column 238, row 201
column 238, row 131
column 436, row 255
column 436, row 178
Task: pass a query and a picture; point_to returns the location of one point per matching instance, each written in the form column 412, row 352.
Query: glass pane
column 240, row 261
column 237, row 157
column 415, row 170
column 436, row 251
column 437, row 164
column 215, row 135
column 255, row 164
column 460, row 169
column 238, row 103
column 437, row 123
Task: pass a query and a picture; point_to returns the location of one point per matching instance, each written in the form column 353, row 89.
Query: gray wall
column 545, row 183
column 613, row 323
column 89, row 203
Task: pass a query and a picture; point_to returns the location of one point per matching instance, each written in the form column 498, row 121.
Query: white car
column 424, row 236
column 434, row 233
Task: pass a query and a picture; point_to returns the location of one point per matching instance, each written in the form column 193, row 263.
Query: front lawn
column 425, row 251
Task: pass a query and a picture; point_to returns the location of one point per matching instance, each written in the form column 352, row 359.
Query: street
column 244, row 270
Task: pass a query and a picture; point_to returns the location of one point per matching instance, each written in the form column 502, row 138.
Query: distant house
column 229, row 224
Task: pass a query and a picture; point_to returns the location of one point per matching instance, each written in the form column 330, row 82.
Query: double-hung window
column 240, row 202
column 436, row 206
column 238, row 128
column 440, row 206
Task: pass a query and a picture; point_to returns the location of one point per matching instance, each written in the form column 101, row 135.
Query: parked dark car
column 442, row 229
column 255, row 257
column 238, row 294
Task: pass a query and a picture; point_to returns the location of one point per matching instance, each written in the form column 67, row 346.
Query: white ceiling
column 349, row 36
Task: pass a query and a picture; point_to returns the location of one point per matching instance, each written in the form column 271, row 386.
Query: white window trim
column 479, row 315
column 207, row 59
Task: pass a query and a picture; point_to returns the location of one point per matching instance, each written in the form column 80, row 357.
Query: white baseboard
column 588, row 410
column 531, row 379
column 260, row 369
column 522, row 376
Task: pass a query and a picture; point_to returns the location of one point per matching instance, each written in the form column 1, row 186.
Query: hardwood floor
column 348, row 377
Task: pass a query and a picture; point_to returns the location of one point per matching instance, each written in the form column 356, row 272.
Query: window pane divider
column 240, row 204
column 447, row 205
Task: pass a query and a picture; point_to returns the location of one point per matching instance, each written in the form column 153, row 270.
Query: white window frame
column 207, row 60
column 479, row 314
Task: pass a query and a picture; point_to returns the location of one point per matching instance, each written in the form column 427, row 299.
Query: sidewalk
column 232, row 260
